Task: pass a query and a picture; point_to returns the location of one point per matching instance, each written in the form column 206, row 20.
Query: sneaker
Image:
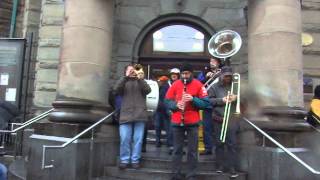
column 135, row 165
column 233, row 173
column 206, row 152
column 123, row 166
column 219, row 169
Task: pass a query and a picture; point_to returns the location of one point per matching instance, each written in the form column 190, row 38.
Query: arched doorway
column 170, row 44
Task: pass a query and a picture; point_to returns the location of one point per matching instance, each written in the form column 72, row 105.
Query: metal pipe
column 13, row 18
column 283, row 148
column 31, row 121
column 44, row 147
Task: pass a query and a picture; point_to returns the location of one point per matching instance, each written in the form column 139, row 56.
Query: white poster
column 11, row 94
column 4, row 79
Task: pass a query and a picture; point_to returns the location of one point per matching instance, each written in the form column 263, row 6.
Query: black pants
column 192, row 156
column 226, row 158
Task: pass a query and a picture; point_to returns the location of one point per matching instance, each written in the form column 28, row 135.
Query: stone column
column 275, row 52
column 84, row 61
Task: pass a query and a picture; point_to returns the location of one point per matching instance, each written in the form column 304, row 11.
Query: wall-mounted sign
column 4, row 79
column 11, row 94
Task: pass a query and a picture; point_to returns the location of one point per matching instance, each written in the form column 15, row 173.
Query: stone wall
column 48, row 53
column 311, row 25
column 132, row 16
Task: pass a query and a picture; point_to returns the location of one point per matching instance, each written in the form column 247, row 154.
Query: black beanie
column 186, row 67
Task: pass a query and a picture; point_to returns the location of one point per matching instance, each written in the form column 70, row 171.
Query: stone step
column 160, row 174
column 166, row 164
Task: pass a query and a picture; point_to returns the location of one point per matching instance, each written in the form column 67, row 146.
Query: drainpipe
column 13, row 17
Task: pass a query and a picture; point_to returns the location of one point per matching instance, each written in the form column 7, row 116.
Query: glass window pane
column 178, row 38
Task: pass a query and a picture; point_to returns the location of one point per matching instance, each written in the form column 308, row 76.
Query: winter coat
column 191, row 114
column 133, row 104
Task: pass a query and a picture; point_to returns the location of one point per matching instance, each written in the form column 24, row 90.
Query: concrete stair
column 156, row 165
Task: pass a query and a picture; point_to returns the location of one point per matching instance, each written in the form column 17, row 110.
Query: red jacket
column 174, row 94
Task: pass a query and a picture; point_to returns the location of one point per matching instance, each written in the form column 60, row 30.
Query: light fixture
column 199, row 35
column 157, row 35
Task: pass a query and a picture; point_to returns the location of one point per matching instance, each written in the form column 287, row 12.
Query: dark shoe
column 233, row 173
column 177, row 177
column 143, row 149
column 191, row 178
column 206, row 152
column 219, row 169
column 170, row 150
column 158, row 144
column 135, row 165
column 123, row 166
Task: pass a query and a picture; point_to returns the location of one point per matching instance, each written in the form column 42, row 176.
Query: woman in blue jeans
column 133, row 115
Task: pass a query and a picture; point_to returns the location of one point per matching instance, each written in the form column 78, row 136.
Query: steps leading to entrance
column 161, row 174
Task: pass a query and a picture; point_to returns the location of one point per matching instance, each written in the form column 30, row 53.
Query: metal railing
column 283, row 148
column 22, row 126
column 45, row 147
column 27, row 123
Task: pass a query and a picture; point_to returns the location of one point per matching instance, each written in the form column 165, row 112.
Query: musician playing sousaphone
column 184, row 98
column 133, row 115
column 209, row 76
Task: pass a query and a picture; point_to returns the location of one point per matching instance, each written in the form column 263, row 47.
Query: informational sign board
column 11, row 69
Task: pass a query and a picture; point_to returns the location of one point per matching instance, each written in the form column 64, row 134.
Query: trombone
column 222, row 45
column 227, row 109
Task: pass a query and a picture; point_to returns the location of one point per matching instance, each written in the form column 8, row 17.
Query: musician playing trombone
column 184, row 98
column 218, row 95
column 210, row 75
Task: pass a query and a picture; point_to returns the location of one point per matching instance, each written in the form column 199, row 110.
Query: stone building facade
column 131, row 19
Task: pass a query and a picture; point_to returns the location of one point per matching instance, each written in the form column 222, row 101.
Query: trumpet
column 138, row 71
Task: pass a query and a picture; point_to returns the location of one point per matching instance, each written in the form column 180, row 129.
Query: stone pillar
column 275, row 52
column 84, row 61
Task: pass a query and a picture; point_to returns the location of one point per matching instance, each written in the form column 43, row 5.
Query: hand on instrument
column 231, row 98
column 187, row 97
column 180, row 105
column 209, row 74
column 140, row 75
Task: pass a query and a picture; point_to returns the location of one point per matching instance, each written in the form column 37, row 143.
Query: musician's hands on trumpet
column 135, row 72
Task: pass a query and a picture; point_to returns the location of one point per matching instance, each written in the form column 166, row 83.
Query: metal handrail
column 283, row 148
column 45, row 147
column 27, row 123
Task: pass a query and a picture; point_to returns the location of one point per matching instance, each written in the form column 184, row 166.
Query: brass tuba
column 224, row 44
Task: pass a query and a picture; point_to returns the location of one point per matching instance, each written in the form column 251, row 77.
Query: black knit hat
column 186, row 67
column 226, row 70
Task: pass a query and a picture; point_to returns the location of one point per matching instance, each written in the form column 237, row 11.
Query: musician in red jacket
column 184, row 98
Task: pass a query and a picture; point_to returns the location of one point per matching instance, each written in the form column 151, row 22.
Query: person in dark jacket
column 133, row 115
column 184, row 98
column 209, row 74
column 218, row 98
column 161, row 117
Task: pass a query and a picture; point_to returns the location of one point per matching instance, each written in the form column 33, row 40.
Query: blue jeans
column 3, row 172
column 208, row 129
column 131, row 138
